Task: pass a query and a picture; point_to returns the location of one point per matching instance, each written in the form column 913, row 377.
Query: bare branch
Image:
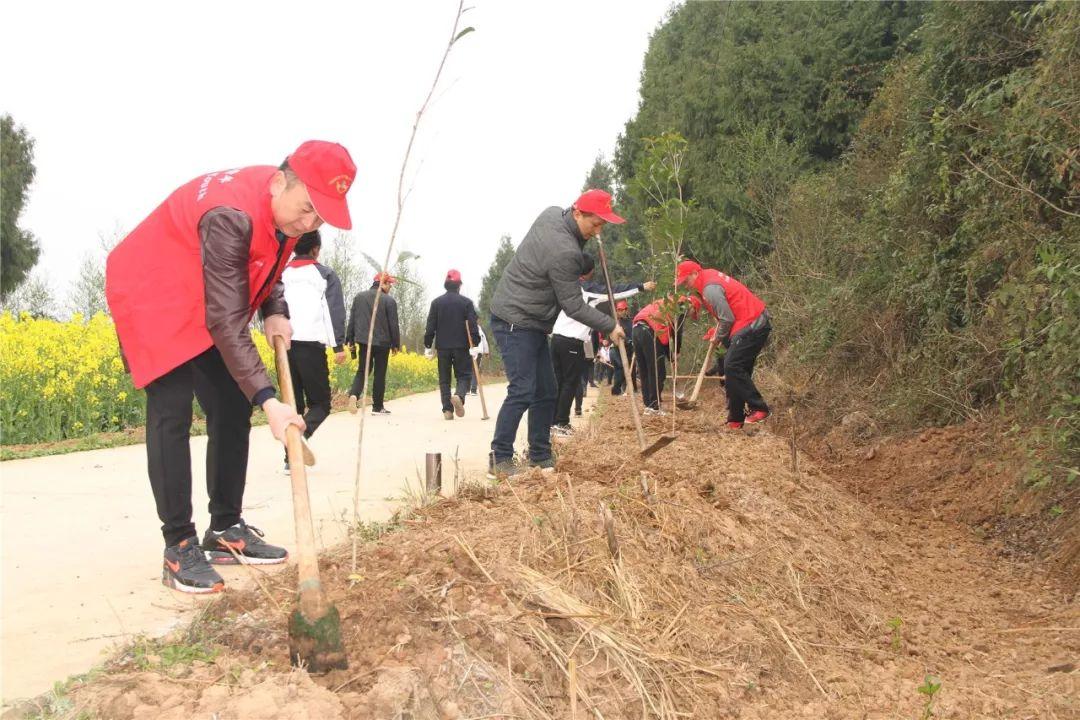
column 1019, row 187
column 455, row 35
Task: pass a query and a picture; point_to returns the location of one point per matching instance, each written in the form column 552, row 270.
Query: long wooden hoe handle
column 704, row 367
column 622, row 349
column 313, row 603
column 476, row 370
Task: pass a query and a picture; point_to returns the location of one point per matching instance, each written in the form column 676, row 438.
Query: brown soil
column 710, row 581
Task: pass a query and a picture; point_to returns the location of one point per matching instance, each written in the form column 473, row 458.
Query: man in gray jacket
column 541, row 280
column 386, row 339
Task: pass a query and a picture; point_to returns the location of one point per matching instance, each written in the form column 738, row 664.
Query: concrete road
column 82, row 547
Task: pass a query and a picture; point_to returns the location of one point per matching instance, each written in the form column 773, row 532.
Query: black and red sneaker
column 185, row 569
column 246, row 541
column 757, row 416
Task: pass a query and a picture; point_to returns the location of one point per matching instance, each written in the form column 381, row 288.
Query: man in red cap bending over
column 183, row 287
column 743, row 328
column 542, row 279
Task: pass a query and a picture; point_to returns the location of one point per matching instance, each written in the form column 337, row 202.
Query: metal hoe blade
column 662, row 442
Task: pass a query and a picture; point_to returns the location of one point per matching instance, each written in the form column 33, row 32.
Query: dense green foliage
column 762, row 92
column 900, row 182
column 503, row 256
column 18, row 248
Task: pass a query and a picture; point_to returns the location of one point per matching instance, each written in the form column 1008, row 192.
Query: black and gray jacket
column 544, row 277
column 387, row 332
column 446, row 322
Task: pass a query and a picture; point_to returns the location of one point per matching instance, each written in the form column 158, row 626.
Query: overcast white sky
column 127, row 100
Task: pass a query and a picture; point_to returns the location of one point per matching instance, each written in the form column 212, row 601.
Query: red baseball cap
column 328, row 172
column 453, row 276
column 385, row 278
column 621, row 305
column 684, row 270
column 597, row 202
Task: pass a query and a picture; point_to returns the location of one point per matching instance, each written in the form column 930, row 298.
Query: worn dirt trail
column 82, row 549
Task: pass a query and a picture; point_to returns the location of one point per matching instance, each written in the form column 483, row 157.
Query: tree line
column 900, row 180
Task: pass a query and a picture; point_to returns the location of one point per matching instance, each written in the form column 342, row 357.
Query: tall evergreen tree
column 503, row 256
column 19, row 250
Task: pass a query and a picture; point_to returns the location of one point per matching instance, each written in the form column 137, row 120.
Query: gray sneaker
column 185, row 568
column 503, row 469
column 546, row 465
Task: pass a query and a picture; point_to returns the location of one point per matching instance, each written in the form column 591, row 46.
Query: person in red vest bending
column 652, row 330
column 743, row 328
column 183, row 287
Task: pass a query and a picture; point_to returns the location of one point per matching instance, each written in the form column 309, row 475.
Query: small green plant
column 150, row 654
column 1057, row 511
column 57, row 703
column 930, row 688
column 895, row 624
column 371, row 531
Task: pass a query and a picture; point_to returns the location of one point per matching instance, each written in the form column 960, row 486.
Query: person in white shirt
column 571, row 344
column 481, row 352
column 603, row 359
column 317, row 313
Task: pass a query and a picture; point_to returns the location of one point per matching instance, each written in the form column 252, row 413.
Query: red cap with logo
column 453, row 276
column 328, row 172
column 598, row 202
column 385, row 278
column 621, row 305
column 684, row 270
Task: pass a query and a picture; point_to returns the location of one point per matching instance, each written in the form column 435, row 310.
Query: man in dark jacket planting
column 386, row 339
column 542, row 278
column 446, row 328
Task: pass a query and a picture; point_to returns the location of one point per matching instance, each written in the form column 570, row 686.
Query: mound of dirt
column 206, row 693
column 709, row 581
column 973, row 473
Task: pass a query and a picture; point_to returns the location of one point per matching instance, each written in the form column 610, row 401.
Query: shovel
column 689, row 403
column 664, row 440
column 315, row 626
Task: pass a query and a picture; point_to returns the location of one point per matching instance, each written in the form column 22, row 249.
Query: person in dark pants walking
column 182, row 288
column 317, row 312
column 446, row 328
column 743, row 328
column 386, row 339
column 542, row 278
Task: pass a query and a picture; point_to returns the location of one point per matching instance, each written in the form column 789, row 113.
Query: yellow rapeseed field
column 62, row 380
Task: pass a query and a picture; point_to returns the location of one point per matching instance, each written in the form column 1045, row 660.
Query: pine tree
column 19, row 250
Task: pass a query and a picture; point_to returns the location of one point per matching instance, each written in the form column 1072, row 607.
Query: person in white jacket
column 317, row 313
column 479, row 352
column 571, row 344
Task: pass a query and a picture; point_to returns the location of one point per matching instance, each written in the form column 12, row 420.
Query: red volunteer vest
column 651, row 316
column 745, row 305
column 154, row 277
